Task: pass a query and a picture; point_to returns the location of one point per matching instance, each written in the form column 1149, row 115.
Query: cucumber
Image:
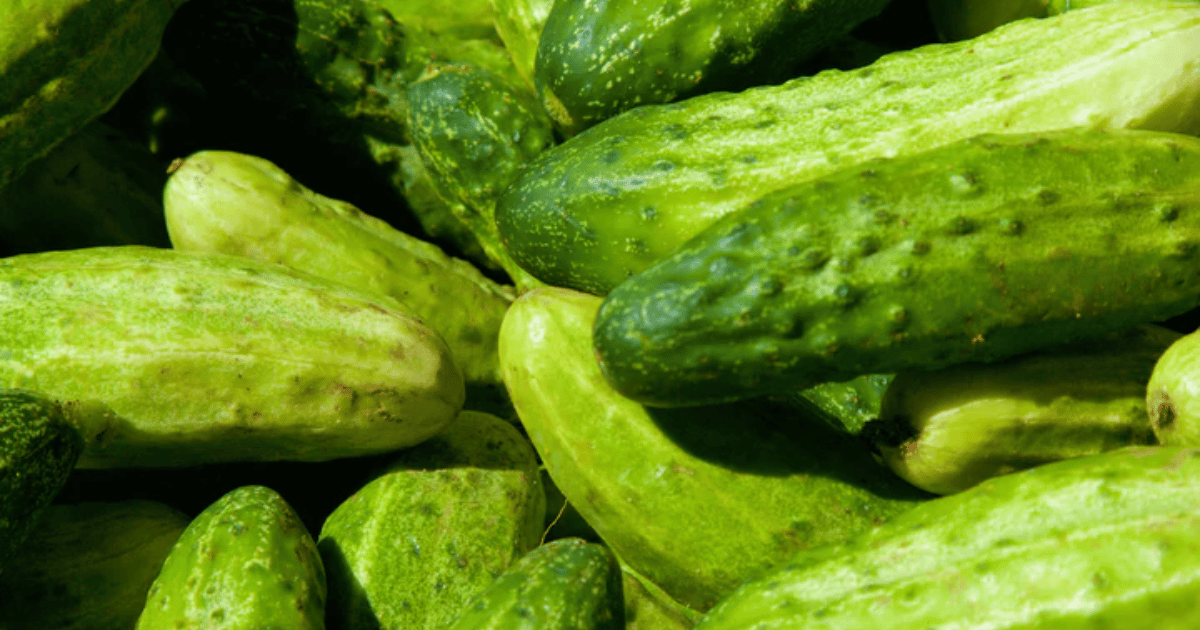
column 566, row 584
column 245, row 562
column 750, row 497
column 609, row 203
column 413, row 547
column 591, row 65
column 851, row 404
column 231, row 203
column 200, row 358
column 519, row 24
column 63, row 63
column 460, row 19
column 39, row 446
column 948, row 430
column 848, row 274
column 648, row 607
column 1170, row 398
column 1104, row 541
column 88, row 566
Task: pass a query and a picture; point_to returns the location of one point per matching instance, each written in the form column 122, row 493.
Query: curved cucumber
column 754, row 482
column 610, row 202
column 948, row 430
column 971, row 252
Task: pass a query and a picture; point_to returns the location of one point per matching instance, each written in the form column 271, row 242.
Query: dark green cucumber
column 608, row 203
column 597, row 58
column 1105, row 541
column 566, row 584
column 38, row 448
column 975, row 251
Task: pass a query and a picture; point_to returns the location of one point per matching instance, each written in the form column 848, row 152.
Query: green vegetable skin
column 39, row 446
column 65, row 62
column 246, row 562
column 198, row 358
column 1171, row 398
column 88, row 566
column 752, row 482
column 597, row 58
column 610, row 202
column 971, row 252
column 519, row 24
column 1106, row 541
column 948, row 430
column 957, row 20
column 231, row 203
column 415, row 545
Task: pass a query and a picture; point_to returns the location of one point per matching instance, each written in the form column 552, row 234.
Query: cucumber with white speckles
column 598, row 58
column 611, row 201
column 974, row 251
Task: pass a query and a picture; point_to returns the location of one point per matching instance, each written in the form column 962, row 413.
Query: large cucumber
column 231, row 203
column 197, row 358
column 1105, row 541
column 65, row 62
column 974, row 251
column 753, row 482
column 608, row 203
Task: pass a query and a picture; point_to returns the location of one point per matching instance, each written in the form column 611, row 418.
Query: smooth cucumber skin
column 88, row 566
column 610, row 202
column 750, row 497
column 65, row 62
column 565, row 584
column 648, row 607
column 1104, row 541
column 1171, row 398
column 39, row 446
column 851, row 403
column 948, row 430
column 519, row 24
column 246, row 562
column 202, row 358
column 597, row 58
column 971, row 252
column 413, row 547
column 232, row 203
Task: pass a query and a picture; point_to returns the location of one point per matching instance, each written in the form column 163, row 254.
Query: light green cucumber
column 1103, row 541
column 606, row 204
column 245, row 562
column 88, row 566
column 519, row 24
column 648, row 607
column 753, row 482
column 232, row 203
column 1171, row 395
column 948, row 430
column 63, row 63
column 411, row 548
column 198, row 358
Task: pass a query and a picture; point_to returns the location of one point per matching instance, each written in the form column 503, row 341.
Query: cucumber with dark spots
column 981, row 250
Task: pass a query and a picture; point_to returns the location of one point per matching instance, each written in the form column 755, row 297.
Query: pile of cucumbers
column 599, row 314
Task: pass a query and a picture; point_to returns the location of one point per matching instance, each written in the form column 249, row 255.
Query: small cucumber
column 231, row 203
column 1171, row 396
column 39, row 446
column 1103, row 541
column 970, row 252
column 246, row 562
column 750, row 497
column 88, row 566
column 200, row 358
column 948, row 430
column 608, row 203
column 566, row 584
column 411, row 548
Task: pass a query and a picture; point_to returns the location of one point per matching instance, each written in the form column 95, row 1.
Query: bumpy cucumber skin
column 38, row 449
column 414, row 546
column 751, row 497
column 975, row 251
column 610, row 202
column 519, row 24
column 88, row 566
column 597, row 58
column 1104, row 541
column 475, row 131
column 245, row 562
column 184, row 352
column 1171, row 397
column 566, row 584
column 231, row 203
column 961, row 426
column 63, row 63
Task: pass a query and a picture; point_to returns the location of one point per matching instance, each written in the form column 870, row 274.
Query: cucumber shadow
column 346, row 604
